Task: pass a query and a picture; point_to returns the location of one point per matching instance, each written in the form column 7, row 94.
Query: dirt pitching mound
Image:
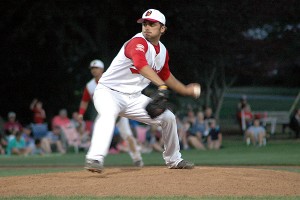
column 156, row 181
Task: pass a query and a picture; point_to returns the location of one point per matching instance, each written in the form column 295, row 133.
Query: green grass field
column 283, row 153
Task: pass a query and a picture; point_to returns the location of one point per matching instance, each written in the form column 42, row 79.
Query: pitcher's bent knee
column 168, row 117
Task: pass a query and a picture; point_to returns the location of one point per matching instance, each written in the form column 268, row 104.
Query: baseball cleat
column 139, row 163
column 93, row 165
column 184, row 165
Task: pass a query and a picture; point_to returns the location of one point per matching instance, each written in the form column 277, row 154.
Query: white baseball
column 197, row 91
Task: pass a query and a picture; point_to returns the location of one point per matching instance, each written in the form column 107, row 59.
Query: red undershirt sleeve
column 135, row 50
column 164, row 74
column 86, row 95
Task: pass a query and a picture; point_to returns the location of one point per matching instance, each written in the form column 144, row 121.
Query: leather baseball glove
column 158, row 104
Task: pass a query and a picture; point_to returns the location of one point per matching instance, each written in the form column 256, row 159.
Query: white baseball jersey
column 119, row 75
column 91, row 86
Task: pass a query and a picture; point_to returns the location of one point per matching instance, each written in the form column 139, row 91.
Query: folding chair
column 39, row 130
column 72, row 137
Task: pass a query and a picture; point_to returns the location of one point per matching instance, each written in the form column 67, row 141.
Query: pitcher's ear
column 163, row 29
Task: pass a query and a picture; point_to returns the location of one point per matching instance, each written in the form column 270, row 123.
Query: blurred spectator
column 208, row 115
column 256, row 134
column 27, row 136
column 61, row 120
column 214, row 139
column 193, row 131
column 244, row 114
column 181, row 134
column 12, row 126
column 37, row 146
column 295, row 122
column 17, row 146
column 38, row 149
column 190, row 117
column 200, row 124
column 243, row 103
column 245, row 118
column 84, row 134
column 1, row 126
column 54, row 141
column 3, row 144
column 78, row 122
column 209, row 119
column 39, row 114
column 154, row 138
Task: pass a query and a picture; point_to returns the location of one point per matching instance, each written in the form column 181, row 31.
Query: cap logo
column 149, row 12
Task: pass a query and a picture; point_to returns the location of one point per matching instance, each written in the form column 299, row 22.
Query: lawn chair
column 72, row 137
column 39, row 130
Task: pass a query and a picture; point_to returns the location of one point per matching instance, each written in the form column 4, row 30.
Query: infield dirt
column 156, row 181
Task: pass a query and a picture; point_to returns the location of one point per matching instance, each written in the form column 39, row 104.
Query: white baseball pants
column 125, row 132
column 110, row 104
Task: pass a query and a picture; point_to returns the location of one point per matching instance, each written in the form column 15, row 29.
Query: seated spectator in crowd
column 3, row 144
column 200, row 124
column 84, row 134
column 12, row 126
column 77, row 122
column 17, row 146
column 39, row 114
column 256, row 134
column 193, row 132
column 194, row 136
column 36, row 145
column 27, row 136
column 243, row 108
column 243, row 103
column 295, row 122
column 208, row 115
column 54, row 141
column 245, row 118
column 1, row 126
column 62, row 119
column 154, row 139
column 181, row 134
column 208, row 118
column 214, row 139
column 38, row 149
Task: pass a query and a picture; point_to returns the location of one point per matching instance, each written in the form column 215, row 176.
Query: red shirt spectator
column 61, row 119
column 11, row 127
column 39, row 114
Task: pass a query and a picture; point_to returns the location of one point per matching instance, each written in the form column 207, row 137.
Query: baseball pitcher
column 141, row 60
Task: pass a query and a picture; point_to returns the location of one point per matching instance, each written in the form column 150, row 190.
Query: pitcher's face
column 152, row 31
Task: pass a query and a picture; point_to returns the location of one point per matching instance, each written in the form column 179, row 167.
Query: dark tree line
column 47, row 46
